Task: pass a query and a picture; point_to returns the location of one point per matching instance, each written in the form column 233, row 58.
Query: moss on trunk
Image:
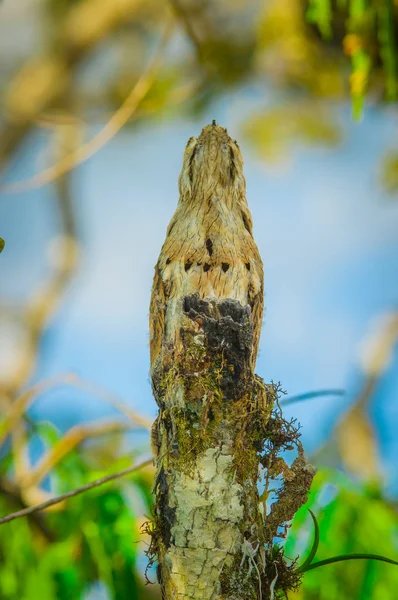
column 216, row 429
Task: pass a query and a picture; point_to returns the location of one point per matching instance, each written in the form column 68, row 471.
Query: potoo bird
column 209, row 246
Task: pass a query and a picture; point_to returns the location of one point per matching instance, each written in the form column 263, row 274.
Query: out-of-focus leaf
column 320, row 13
column 92, row 535
column 39, row 584
column 389, row 172
column 388, row 50
column 310, row 396
column 272, row 131
column 2, row 244
column 354, row 444
column 353, row 519
column 292, row 57
column 159, row 97
column 48, row 432
column 361, row 65
column 355, row 435
column 357, row 443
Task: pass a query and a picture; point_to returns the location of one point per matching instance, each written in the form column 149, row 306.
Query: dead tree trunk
column 212, row 414
column 219, row 425
column 211, row 535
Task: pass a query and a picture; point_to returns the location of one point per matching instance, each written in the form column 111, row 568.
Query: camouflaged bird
column 209, row 246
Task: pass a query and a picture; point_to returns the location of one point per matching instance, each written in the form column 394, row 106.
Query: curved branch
column 114, row 125
column 84, row 488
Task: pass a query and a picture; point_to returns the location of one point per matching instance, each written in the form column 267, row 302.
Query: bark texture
column 212, row 416
column 217, row 429
column 209, row 247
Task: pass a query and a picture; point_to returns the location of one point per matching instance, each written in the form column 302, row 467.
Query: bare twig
column 76, row 35
column 84, row 488
column 114, row 125
column 13, row 493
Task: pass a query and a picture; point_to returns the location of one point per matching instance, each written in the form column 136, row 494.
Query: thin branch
column 114, row 125
column 12, row 492
column 76, row 36
column 84, row 488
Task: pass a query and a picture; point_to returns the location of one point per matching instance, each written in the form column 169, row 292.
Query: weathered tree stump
column 219, row 425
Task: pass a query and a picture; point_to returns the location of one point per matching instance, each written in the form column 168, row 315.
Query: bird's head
column 211, row 159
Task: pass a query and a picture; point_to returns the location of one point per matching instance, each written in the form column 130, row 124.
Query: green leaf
column 386, row 33
column 2, row 244
column 306, row 564
column 344, row 557
column 272, row 130
column 361, row 66
column 48, row 432
column 320, row 13
column 309, row 395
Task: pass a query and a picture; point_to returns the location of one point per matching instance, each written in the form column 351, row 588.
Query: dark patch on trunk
column 168, row 261
column 247, row 265
column 228, row 329
column 188, row 265
column 225, row 267
column 166, row 514
column 209, row 246
column 206, row 267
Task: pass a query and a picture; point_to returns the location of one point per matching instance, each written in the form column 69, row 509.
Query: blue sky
column 326, row 232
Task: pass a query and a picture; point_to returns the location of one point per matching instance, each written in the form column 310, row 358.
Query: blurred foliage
column 273, row 132
column 352, row 518
column 309, row 53
column 367, row 30
column 80, row 67
column 94, row 537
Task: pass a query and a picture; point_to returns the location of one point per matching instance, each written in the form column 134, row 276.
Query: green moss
column 199, row 414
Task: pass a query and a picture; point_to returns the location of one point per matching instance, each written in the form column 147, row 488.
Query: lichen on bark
column 217, row 428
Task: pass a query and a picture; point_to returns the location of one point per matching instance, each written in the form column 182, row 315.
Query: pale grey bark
column 211, row 537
